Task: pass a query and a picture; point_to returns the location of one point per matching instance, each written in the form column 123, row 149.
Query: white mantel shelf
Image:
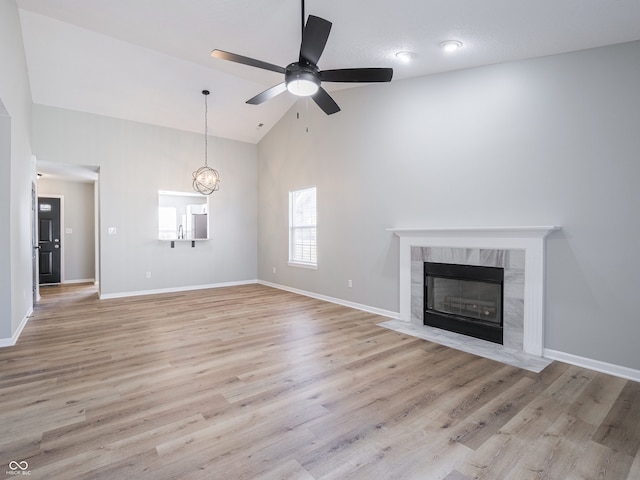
column 531, row 239
column 535, row 231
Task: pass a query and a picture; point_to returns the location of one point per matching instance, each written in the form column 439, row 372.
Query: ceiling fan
column 303, row 78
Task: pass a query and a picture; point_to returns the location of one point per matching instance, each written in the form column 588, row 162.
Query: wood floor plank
column 250, row 382
column 600, row 462
column 289, row 470
column 595, row 401
column 487, row 420
column 501, row 453
column 634, row 472
column 555, row 453
column 620, row 430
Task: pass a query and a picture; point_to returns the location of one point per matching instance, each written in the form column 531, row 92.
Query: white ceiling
column 148, row 60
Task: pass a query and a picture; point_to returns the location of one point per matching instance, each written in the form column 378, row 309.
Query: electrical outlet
column 349, row 283
column 148, row 274
column 274, row 270
column 112, row 230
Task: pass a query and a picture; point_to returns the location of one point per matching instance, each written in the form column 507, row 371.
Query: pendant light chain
column 206, row 127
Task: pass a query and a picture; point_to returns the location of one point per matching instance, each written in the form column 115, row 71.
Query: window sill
column 183, row 239
column 173, row 241
column 311, row 266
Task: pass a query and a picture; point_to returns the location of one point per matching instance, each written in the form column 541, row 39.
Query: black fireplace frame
column 490, row 331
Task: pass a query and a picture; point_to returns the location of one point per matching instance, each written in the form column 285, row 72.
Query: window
column 302, row 227
column 182, row 216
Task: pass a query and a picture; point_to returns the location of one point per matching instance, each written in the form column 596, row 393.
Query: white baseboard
column 339, row 301
column 10, row 342
column 138, row 293
column 597, row 365
column 357, row 306
column 80, row 280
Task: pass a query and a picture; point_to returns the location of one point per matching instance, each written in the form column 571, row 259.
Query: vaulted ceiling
column 148, row 61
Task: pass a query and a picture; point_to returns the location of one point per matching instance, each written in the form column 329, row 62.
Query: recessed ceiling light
column 405, row 56
column 451, row 45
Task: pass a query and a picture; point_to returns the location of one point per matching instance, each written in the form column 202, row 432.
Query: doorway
column 77, row 187
column 49, row 244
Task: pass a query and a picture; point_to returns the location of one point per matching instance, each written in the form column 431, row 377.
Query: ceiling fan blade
column 314, row 39
column 252, row 62
column 357, row 75
column 268, row 94
column 325, row 102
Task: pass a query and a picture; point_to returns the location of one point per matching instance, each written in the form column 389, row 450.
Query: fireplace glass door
column 466, row 298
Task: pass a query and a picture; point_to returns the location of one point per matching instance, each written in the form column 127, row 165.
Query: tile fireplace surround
column 519, row 250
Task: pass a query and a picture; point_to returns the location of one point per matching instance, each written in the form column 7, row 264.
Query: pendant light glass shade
column 206, row 180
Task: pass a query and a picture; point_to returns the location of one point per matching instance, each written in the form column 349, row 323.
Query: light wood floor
column 251, row 382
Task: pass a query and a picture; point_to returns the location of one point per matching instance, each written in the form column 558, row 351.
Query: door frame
column 34, row 243
column 62, row 234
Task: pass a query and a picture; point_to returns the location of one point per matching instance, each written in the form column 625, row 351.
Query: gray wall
column 5, row 218
column 79, row 246
column 549, row 141
column 135, row 161
column 16, row 175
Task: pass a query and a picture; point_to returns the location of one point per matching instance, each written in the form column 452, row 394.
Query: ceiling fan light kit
column 301, row 81
column 303, row 78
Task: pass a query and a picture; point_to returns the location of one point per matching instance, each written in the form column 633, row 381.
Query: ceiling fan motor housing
column 302, row 80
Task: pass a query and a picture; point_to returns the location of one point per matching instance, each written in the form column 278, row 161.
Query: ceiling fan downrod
column 302, row 12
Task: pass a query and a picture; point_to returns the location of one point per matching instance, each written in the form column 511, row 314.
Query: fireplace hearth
column 466, row 299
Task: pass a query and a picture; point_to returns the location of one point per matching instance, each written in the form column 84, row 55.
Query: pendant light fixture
column 206, row 180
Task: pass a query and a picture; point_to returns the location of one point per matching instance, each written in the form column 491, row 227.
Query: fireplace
column 466, row 299
column 519, row 250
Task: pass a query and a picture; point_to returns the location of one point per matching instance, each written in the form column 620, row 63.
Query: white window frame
column 303, row 254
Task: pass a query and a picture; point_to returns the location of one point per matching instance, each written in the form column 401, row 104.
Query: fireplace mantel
column 531, row 239
column 484, row 232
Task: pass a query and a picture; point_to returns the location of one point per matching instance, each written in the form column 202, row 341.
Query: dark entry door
column 49, row 240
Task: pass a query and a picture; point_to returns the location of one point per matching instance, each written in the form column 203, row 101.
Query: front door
column 49, row 246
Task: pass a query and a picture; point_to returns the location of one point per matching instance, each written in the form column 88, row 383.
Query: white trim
column 10, row 342
column 310, row 266
column 338, row 301
column 486, row 232
column 180, row 194
column 80, row 280
column 529, row 239
column 184, row 240
column 174, row 289
column 597, row 365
